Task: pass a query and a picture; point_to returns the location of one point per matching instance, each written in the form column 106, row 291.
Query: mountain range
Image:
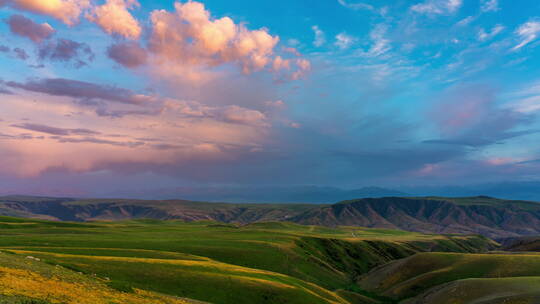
column 491, row 217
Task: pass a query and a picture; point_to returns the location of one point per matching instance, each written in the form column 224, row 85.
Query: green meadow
column 218, row 263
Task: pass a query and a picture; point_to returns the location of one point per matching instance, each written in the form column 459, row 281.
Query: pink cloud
column 114, row 18
column 25, row 27
column 67, row 11
column 190, row 36
column 128, row 54
column 53, row 135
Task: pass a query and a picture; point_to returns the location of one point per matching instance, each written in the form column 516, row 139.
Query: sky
column 108, row 96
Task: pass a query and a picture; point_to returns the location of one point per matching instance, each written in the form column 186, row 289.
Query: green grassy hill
column 522, row 290
column 218, row 263
column 27, row 280
column 414, row 275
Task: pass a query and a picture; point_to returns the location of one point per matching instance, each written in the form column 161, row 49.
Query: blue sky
column 119, row 94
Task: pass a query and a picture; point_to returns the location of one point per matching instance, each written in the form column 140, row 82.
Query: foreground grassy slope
column 257, row 263
column 412, row 276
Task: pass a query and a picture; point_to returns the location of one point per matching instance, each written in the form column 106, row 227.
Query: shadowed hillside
column 490, row 217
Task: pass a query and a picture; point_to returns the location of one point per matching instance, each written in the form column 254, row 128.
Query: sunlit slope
column 411, row 276
column 28, row 280
column 270, row 262
column 521, row 290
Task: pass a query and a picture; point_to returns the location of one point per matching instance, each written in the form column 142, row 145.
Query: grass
column 523, row 290
column 257, row 263
column 414, row 275
column 29, row 281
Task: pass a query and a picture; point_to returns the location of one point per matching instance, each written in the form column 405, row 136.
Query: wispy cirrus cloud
column 54, row 130
column 344, row 41
column 437, row 7
column 80, row 90
column 527, row 33
column 496, row 30
column 355, row 5
column 489, row 5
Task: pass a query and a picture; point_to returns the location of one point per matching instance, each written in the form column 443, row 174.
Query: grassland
column 206, row 261
column 26, row 280
column 417, row 274
column 520, row 290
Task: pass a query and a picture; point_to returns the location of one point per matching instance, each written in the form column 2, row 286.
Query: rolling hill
column 446, row 278
column 490, row 217
column 206, row 261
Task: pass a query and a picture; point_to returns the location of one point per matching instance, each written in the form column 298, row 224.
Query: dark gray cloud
column 17, row 52
column 128, row 54
column 22, row 26
column 20, row 53
column 67, row 51
column 55, row 130
column 84, row 91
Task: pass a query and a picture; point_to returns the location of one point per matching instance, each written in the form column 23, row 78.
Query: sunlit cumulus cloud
column 67, row 11
column 190, row 36
column 114, row 18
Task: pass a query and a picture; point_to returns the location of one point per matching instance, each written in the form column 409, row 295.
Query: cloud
column 437, row 7
column 236, row 114
column 25, row 27
column 320, row 37
column 55, row 131
column 469, row 116
column 527, row 32
column 66, row 50
column 484, row 36
column 67, row 11
column 381, row 45
column 93, row 140
column 81, row 90
column 490, row 6
column 114, row 18
column 191, row 37
column 128, row 54
column 20, row 54
column 344, row 41
column 356, row 6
